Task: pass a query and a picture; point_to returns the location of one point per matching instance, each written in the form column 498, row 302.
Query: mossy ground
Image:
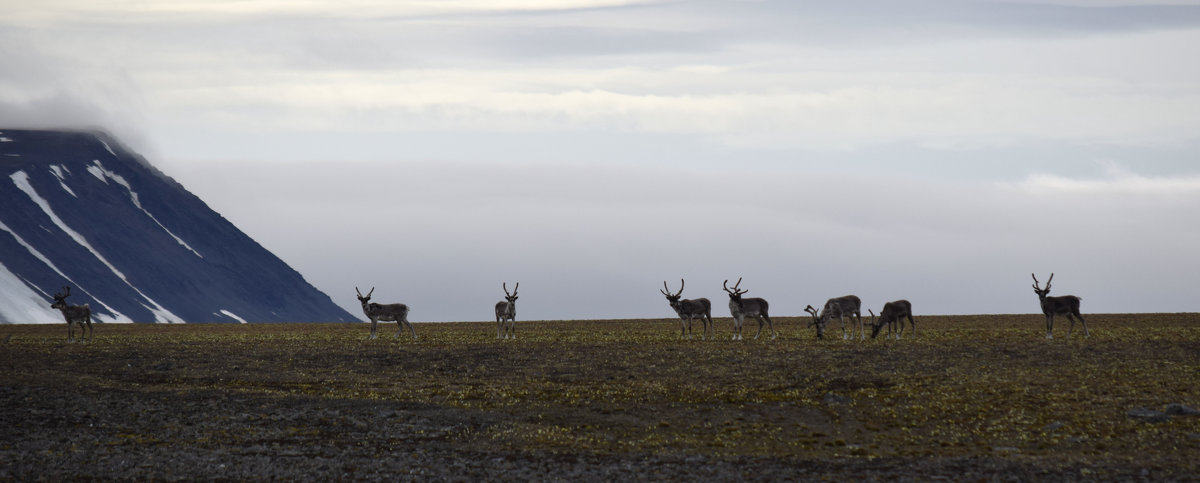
column 967, row 395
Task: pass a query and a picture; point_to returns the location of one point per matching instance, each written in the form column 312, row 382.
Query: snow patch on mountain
column 98, row 171
column 117, row 316
column 232, row 316
column 21, row 179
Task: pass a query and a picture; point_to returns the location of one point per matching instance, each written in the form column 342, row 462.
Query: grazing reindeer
column 687, row 310
column 385, row 312
column 1066, row 305
column 75, row 314
column 506, row 310
column 741, row 307
column 841, row 307
column 893, row 314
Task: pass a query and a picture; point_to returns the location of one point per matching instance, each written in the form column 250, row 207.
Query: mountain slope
column 78, row 209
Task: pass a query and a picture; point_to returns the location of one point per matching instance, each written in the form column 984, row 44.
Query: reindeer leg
column 1050, row 326
column 374, row 321
column 770, row 326
column 1086, row 334
column 512, row 325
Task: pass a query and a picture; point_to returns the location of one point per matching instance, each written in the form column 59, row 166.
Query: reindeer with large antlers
column 385, row 312
column 847, row 306
column 687, row 310
column 1065, row 305
column 75, row 314
column 506, row 310
column 741, row 307
column 893, row 313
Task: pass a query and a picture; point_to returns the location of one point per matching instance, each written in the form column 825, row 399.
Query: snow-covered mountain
column 77, row 209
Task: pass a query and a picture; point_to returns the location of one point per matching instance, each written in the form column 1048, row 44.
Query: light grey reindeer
column 846, row 306
column 506, row 310
column 741, row 307
column 1066, row 305
column 385, row 312
column 689, row 309
column 893, row 313
column 75, row 314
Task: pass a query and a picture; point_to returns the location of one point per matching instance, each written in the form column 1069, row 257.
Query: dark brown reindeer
column 75, row 314
column 506, row 310
column 689, row 309
column 1065, row 305
column 385, row 312
column 893, row 314
column 741, row 307
column 841, row 307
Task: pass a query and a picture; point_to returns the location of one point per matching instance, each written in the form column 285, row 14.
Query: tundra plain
column 971, row 397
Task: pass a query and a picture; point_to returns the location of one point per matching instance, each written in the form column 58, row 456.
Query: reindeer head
column 735, row 295
column 876, row 324
column 1042, row 292
column 673, row 298
column 364, row 299
column 60, row 299
column 510, row 297
column 817, row 320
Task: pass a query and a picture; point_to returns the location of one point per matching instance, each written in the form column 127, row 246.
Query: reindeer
column 385, row 312
column 507, row 310
column 687, row 310
column 840, row 307
column 75, row 314
column 1066, row 305
column 741, row 307
column 893, row 313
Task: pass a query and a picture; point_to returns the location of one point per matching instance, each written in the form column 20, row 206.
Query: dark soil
column 969, row 398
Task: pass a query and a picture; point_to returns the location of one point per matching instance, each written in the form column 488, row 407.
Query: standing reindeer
column 893, row 313
column 506, row 310
column 741, row 307
column 1066, row 305
column 75, row 314
column 841, row 307
column 385, row 312
column 687, row 310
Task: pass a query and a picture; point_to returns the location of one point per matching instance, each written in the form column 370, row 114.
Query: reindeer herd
column 893, row 314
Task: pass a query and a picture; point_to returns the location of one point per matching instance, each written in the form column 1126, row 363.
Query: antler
column 515, row 287
column 66, row 290
column 814, row 313
column 735, row 290
column 358, row 292
column 1035, row 281
column 668, row 292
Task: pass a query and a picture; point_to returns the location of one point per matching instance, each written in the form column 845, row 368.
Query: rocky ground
column 182, row 406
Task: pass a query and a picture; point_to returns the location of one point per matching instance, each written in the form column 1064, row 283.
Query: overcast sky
column 934, row 150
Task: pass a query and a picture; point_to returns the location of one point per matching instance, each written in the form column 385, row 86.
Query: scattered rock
column 1148, row 415
column 1176, row 409
column 831, row 398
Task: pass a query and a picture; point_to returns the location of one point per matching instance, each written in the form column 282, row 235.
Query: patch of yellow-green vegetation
column 963, row 386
